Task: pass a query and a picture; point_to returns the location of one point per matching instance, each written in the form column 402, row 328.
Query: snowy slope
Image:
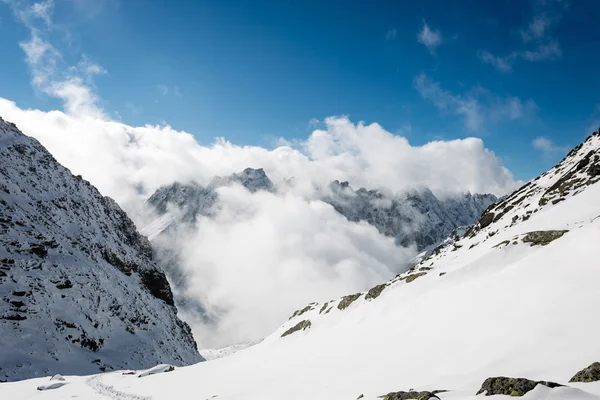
column 79, row 292
column 502, row 301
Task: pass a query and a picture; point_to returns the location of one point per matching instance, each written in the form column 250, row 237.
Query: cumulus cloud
column 129, row 163
column 265, row 255
column 429, row 37
column 547, row 146
column 478, row 107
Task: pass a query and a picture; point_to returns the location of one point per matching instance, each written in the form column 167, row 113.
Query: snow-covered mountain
column 181, row 204
column 79, row 290
column 509, row 310
column 415, row 218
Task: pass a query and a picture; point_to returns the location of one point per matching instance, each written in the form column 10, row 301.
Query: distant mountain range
column 415, row 218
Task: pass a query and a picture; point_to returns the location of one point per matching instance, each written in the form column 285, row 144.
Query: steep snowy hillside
column 416, row 218
column 507, row 310
column 79, row 292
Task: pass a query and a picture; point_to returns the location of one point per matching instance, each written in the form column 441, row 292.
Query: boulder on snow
column 160, row 368
column 515, row 387
column 412, row 277
column 411, row 395
column 589, row 374
column 56, row 382
column 543, row 237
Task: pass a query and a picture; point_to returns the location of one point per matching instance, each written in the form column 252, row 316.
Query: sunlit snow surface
column 512, row 310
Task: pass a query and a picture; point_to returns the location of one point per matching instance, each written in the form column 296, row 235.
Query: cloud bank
column 130, row 163
column 265, row 255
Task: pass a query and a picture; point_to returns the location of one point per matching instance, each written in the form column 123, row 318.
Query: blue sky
column 522, row 75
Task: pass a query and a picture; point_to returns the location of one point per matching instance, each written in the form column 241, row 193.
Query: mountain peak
column 74, row 274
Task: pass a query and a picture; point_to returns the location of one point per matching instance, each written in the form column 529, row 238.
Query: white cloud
column 43, row 10
column 72, row 84
column 478, row 108
column 264, row 256
column 118, row 158
column 289, row 248
column 391, row 34
column 547, row 146
column 502, row 64
column 429, row 37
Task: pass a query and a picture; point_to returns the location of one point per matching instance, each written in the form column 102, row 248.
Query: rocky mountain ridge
column 416, row 218
column 79, row 290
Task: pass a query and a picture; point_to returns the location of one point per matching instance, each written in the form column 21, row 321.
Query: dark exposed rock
column 504, row 242
column 412, row 277
column 511, row 386
column 323, row 308
column 347, row 300
column 486, row 219
column 39, row 250
column 297, row 313
column 589, row 374
column 374, row 292
column 410, row 395
column 156, row 282
column 13, row 317
column 302, row 325
column 543, row 237
column 67, row 284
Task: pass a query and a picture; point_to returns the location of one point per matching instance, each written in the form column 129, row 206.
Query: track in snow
column 110, row 392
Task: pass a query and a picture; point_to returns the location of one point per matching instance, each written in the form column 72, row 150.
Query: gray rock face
column 589, row 374
column 416, row 218
column 515, row 387
column 412, row 395
column 79, row 290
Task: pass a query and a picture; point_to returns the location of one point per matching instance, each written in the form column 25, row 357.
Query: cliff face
column 79, row 290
